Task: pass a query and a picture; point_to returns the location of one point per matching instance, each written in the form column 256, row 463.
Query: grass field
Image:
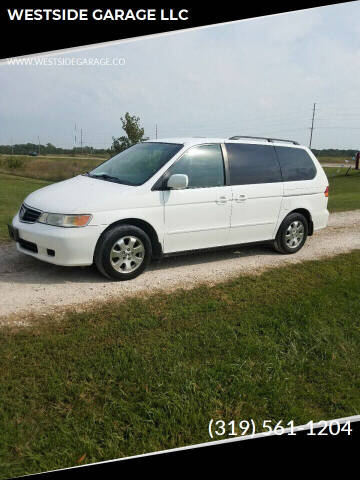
column 344, row 190
column 51, row 168
column 142, row 375
column 13, row 190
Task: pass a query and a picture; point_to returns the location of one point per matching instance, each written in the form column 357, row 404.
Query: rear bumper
column 61, row 246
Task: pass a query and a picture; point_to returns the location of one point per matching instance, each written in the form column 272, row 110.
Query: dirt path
column 338, row 165
column 27, row 284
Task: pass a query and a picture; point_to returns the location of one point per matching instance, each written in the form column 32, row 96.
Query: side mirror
column 178, row 181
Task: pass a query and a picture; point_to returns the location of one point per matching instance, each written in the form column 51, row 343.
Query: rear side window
column 250, row 164
column 203, row 165
column 296, row 164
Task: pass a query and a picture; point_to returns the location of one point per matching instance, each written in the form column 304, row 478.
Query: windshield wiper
column 104, row 176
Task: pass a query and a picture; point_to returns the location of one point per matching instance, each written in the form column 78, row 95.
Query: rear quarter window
column 296, row 164
column 251, row 164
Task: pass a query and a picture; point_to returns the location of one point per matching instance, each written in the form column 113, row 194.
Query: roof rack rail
column 237, row 137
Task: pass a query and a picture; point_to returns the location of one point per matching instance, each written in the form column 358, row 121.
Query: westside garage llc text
column 98, row 14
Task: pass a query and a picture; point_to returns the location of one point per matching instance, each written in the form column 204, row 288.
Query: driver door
column 198, row 216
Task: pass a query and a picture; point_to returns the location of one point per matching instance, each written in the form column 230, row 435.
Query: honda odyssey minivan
column 174, row 195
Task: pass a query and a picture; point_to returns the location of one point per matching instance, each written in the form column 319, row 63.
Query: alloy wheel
column 294, row 234
column 127, row 254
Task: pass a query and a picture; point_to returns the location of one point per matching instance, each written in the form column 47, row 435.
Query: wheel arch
column 145, row 226
column 308, row 217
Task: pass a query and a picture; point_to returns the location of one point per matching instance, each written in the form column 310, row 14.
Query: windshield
column 137, row 164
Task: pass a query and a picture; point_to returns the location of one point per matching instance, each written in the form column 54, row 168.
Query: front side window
column 203, row 165
column 137, row 164
column 250, row 164
column 295, row 164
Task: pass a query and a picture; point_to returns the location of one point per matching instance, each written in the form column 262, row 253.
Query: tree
column 134, row 133
column 50, row 148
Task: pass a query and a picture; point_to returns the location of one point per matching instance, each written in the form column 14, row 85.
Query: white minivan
column 174, row 195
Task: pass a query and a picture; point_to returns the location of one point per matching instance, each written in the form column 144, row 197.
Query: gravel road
column 28, row 285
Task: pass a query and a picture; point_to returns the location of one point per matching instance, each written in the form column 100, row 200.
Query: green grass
column 13, row 190
column 148, row 374
column 51, row 168
column 344, row 190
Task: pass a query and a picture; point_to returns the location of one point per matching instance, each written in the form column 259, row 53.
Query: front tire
column 123, row 252
column 292, row 234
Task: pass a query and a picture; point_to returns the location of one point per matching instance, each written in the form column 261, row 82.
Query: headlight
column 60, row 220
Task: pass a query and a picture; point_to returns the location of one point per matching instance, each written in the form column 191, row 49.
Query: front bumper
column 58, row 245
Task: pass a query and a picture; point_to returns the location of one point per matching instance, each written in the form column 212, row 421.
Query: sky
column 252, row 77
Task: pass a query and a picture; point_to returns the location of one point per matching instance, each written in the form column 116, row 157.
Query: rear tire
column 123, row 252
column 292, row 234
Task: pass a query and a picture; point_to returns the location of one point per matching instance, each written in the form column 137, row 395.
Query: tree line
column 48, row 149
column 134, row 133
column 334, row 152
column 130, row 125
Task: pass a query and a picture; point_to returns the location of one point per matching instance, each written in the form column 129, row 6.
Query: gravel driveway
column 28, row 285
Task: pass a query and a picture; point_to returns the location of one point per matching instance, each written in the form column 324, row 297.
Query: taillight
column 326, row 193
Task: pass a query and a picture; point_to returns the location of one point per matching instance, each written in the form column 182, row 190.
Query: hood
column 80, row 194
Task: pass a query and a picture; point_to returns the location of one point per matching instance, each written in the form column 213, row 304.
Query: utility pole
column 156, row 130
column 312, row 125
column 81, row 143
column 39, row 144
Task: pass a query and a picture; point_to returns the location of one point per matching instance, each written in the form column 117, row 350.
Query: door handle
column 240, row 197
column 221, row 199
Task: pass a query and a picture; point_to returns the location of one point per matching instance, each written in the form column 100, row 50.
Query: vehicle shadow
column 19, row 268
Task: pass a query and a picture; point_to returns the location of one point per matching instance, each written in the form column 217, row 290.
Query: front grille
column 29, row 215
column 28, row 245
